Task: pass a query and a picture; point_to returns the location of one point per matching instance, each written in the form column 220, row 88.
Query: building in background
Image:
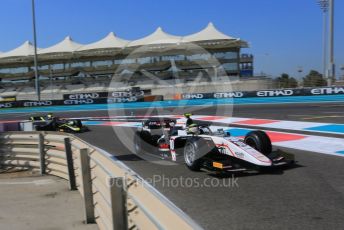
column 246, row 65
column 159, row 53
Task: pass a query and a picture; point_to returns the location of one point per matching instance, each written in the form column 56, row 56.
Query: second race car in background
column 46, row 123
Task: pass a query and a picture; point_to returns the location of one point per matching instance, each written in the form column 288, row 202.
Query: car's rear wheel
column 260, row 141
column 138, row 143
column 194, row 150
column 190, row 157
column 78, row 123
column 144, row 143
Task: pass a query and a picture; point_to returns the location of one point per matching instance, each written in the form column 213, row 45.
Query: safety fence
column 125, row 97
column 114, row 196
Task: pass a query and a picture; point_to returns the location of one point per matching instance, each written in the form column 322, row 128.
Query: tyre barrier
column 114, row 196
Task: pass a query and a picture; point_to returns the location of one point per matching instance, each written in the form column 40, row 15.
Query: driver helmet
column 187, row 115
column 50, row 116
column 193, row 129
column 171, row 123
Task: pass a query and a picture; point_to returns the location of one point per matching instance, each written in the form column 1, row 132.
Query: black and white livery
column 203, row 146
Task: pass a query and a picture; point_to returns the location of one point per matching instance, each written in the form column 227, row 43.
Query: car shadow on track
column 129, row 157
column 275, row 171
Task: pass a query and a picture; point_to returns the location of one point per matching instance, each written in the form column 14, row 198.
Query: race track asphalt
column 328, row 112
column 308, row 196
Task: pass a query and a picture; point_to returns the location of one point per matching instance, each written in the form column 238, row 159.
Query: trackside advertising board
column 97, row 95
column 267, row 93
column 139, row 95
column 105, row 97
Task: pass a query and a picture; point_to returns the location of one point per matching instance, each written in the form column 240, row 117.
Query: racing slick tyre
column 138, row 143
column 78, row 123
column 143, row 143
column 194, row 150
column 260, row 141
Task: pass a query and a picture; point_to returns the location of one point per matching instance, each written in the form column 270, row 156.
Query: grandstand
column 70, row 67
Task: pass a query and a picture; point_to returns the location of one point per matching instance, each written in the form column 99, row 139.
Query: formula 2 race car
column 198, row 146
column 49, row 123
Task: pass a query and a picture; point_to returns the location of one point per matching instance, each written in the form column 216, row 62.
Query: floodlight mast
column 324, row 6
column 332, row 65
column 328, row 5
column 38, row 92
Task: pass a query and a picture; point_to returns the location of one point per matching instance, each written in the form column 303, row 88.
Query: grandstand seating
column 74, row 88
column 97, row 87
column 55, row 89
column 9, row 93
column 27, row 90
column 51, row 89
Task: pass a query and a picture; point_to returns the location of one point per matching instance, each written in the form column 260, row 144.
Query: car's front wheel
column 260, row 141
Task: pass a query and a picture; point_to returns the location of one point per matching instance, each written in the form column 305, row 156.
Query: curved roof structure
column 108, row 42
column 67, row 45
column 24, row 50
column 157, row 37
column 208, row 33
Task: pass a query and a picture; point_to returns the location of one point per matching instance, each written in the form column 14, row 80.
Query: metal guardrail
column 115, row 197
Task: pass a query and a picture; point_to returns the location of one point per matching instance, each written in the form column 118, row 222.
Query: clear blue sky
column 283, row 34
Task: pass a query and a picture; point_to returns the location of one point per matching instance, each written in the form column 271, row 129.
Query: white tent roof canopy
column 24, row 50
column 110, row 41
column 67, row 45
column 157, row 37
column 208, row 33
